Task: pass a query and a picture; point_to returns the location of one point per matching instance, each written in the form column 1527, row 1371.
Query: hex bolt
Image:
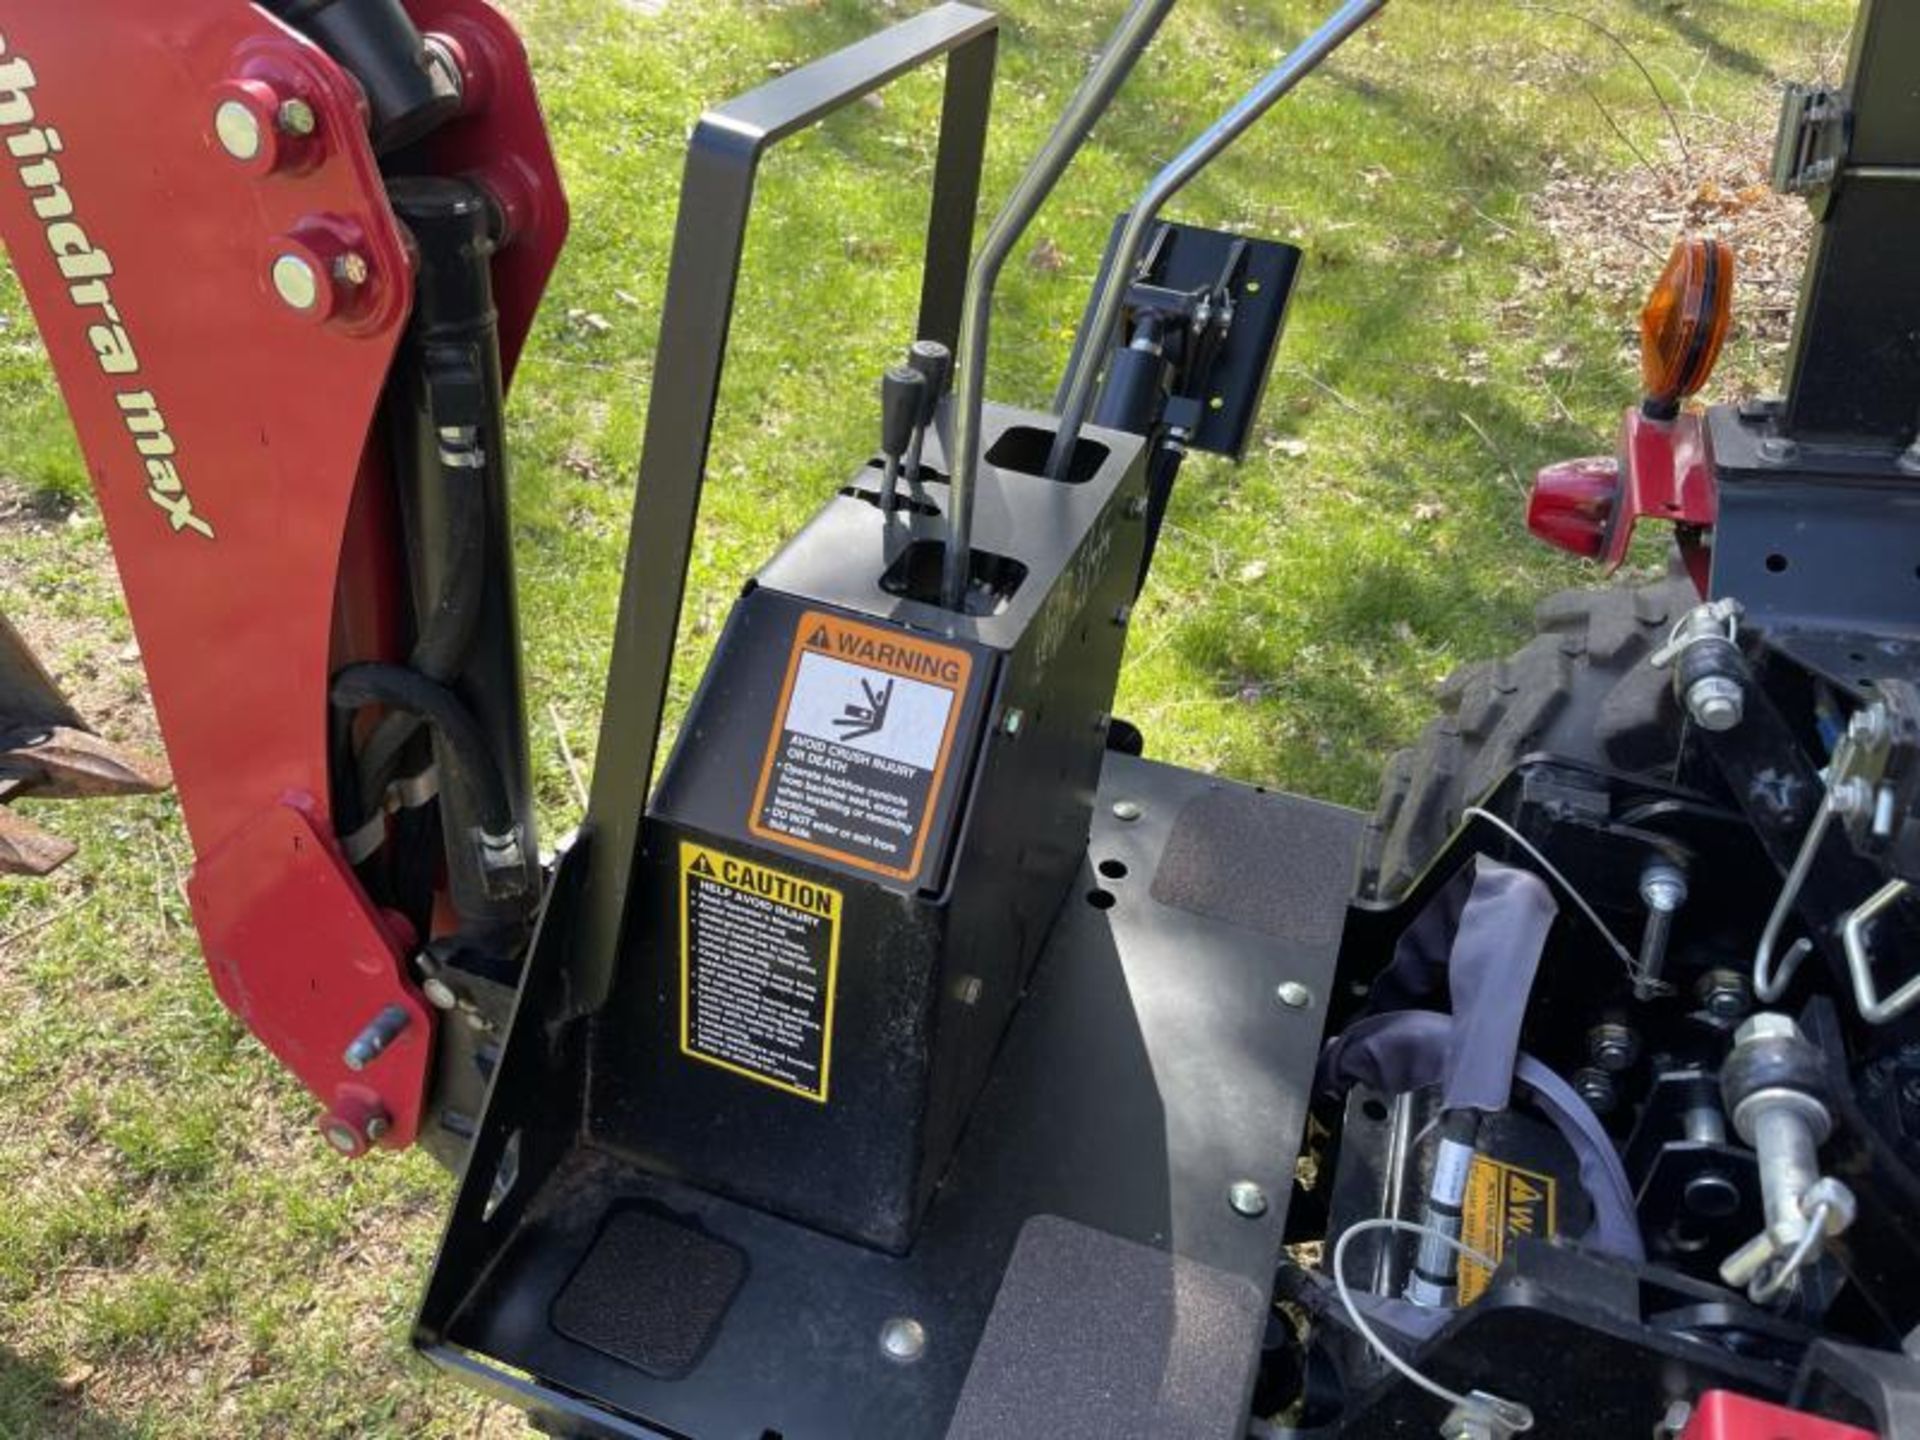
column 1716, row 702
column 1663, row 890
column 295, row 117
column 339, row 1135
column 372, row 1042
column 377, row 1128
column 439, row 994
column 1294, row 995
column 295, row 282
column 1613, row 1046
column 903, row 1339
column 1128, row 810
column 1596, row 1087
column 1013, row 722
column 1777, row 450
column 1247, row 1199
column 352, row 269
column 237, row 128
column 1724, row 994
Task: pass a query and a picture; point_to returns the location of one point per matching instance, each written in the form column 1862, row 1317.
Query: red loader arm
column 195, row 211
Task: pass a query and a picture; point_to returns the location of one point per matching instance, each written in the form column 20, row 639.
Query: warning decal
column 758, row 951
column 860, row 744
column 1502, row 1201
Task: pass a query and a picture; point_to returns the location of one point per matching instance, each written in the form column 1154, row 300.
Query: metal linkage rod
column 1135, row 31
column 1091, row 352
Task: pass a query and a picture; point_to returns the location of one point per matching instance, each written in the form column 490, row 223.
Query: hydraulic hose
column 447, row 627
column 467, row 758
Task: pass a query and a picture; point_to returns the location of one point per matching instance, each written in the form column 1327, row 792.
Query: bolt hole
column 1374, row 1110
column 1114, row 869
column 1857, row 658
column 1776, row 563
column 1865, row 684
column 1100, row 899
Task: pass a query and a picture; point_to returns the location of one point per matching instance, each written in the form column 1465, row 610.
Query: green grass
column 178, row 1255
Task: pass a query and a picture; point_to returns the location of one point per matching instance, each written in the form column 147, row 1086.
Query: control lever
column 935, row 362
column 903, row 394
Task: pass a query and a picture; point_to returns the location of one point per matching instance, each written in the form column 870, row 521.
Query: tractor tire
column 1580, row 689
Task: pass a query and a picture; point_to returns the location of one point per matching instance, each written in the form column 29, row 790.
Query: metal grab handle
column 716, row 197
column 1135, row 31
column 1089, row 354
column 1853, row 934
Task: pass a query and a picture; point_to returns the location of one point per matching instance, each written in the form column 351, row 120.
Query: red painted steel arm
column 228, row 438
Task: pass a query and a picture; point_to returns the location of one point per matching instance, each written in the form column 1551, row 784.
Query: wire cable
column 1635, row 971
column 1509, row 1413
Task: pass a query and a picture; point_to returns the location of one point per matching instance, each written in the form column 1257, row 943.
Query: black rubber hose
column 446, row 629
column 467, row 761
column 448, row 626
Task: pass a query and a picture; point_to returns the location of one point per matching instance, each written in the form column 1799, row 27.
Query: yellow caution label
column 759, row 949
column 1502, row 1201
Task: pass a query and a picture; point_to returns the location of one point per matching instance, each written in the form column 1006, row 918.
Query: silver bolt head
column 439, row 994
column 1716, row 703
column 1128, row 810
column 337, row 1134
column 1294, row 995
column 1663, row 888
column 377, row 1127
column 296, row 117
column 1867, row 724
column 903, row 1339
column 1725, row 997
column 238, row 130
column 295, row 283
column 1778, row 451
column 352, row 269
column 1247, row 1199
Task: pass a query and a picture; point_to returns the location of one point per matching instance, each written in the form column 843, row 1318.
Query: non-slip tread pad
column 650, row 1293
column 1094, row 1337
column 1221, row 861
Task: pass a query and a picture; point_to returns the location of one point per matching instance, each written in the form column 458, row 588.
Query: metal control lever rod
column 1133, row 34
column 935, row 362
column 902, row 398
column 1090, row 354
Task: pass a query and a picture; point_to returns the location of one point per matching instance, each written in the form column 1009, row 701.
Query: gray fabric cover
column 1481, row 940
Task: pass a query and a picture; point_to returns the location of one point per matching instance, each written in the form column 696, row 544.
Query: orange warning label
column 1501, row 1201
column 860, row 744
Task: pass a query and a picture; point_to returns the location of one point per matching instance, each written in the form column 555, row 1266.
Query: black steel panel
column 1150, row 1067
column 1854, row 368
column 716, row 195
column 1822, row 539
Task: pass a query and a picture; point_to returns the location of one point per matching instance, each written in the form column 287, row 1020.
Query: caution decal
column 1502, row 1201
column 759, row 949
column 860, row 744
